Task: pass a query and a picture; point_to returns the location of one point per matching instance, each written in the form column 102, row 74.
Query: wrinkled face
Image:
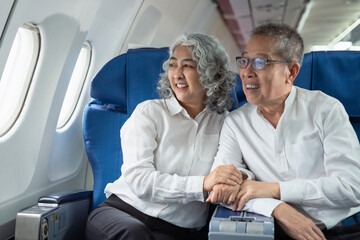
column 184, row 78
column 271, row 85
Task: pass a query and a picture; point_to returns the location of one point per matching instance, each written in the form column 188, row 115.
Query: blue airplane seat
column 336, row 74
column 240, row 95
column 117, row 88
column 303, row 79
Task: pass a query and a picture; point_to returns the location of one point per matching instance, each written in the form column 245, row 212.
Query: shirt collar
column 290, row 99
column 174, row 106
column 288, row 102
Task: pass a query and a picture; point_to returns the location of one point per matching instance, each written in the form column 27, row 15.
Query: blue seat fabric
column 117, row 88
column 336, row 74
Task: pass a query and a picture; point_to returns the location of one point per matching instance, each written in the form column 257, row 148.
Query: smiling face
column 271, row 86
column 184, row 78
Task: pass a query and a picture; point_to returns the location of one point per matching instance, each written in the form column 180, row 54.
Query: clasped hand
column 239, row 194
column 224, row 174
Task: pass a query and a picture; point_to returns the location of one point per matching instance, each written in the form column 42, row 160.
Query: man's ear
column 294, row 69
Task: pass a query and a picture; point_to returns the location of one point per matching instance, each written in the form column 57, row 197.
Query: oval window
column 18, row 72
column 75, row 85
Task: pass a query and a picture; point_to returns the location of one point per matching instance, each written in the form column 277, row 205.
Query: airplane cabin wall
column 25, row 150
column 5, row 11
column 36, row 157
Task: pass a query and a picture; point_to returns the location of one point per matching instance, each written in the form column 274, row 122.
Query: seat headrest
column 303, row 79
column 143, row 73
column 337, row 74
column 127, row 76
column 109, row 84
column 240, row 95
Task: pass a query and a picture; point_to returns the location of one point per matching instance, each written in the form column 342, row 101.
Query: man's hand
column 223, row 193
column 225, row 174
column 254, row 189
column 238, row 195
column 295, row 224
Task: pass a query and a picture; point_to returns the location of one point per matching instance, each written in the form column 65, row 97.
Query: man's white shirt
column 313, row 153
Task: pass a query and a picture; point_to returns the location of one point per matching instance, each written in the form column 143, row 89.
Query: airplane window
column 17, row 74
column 75, row 85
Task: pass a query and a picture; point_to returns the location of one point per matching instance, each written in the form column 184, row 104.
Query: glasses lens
column 259, row 63
column 242, row 62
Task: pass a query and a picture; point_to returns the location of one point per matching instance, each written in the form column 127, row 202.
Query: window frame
column 8, row 72
column 66, row 113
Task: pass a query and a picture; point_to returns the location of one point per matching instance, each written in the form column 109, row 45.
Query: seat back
column 240, row 95
column 336, row 74
column 117, row 88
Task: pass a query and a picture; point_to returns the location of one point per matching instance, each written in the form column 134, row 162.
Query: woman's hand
column 296, row 225
column 225, row 174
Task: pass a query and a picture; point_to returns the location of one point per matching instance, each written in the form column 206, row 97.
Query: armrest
column 60, row 215
column 226, row 224
column 54, row 199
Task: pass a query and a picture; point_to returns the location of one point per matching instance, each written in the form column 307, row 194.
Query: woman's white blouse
column 166, row 156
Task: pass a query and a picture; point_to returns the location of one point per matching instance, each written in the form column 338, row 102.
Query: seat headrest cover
column 240, row 95
column 129, row 78
column 109, row 84
column 143, row 73
column 337, row 74
column 303, row 79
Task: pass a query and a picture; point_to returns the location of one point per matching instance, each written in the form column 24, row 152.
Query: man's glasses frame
column 256, row 63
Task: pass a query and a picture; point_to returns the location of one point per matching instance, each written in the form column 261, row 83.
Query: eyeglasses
column 256, row 63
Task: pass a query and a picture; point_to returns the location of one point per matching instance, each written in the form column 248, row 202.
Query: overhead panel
column 243, row 15
column 318, row 21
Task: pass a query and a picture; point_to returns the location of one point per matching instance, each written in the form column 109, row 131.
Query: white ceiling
column 318, row 21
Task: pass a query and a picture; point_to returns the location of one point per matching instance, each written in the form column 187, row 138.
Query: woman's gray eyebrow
column 184, row 60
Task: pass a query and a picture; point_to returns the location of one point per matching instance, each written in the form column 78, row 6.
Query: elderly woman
column 168, row 146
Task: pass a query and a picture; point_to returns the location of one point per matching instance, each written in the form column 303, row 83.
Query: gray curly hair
column 213, row 67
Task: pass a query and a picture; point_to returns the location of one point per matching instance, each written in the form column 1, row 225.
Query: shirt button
column 278, row 151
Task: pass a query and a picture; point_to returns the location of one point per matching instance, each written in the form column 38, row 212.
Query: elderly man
column 297, row 144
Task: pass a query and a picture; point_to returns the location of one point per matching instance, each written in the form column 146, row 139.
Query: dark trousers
column 336, row 233
column 116, row 220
